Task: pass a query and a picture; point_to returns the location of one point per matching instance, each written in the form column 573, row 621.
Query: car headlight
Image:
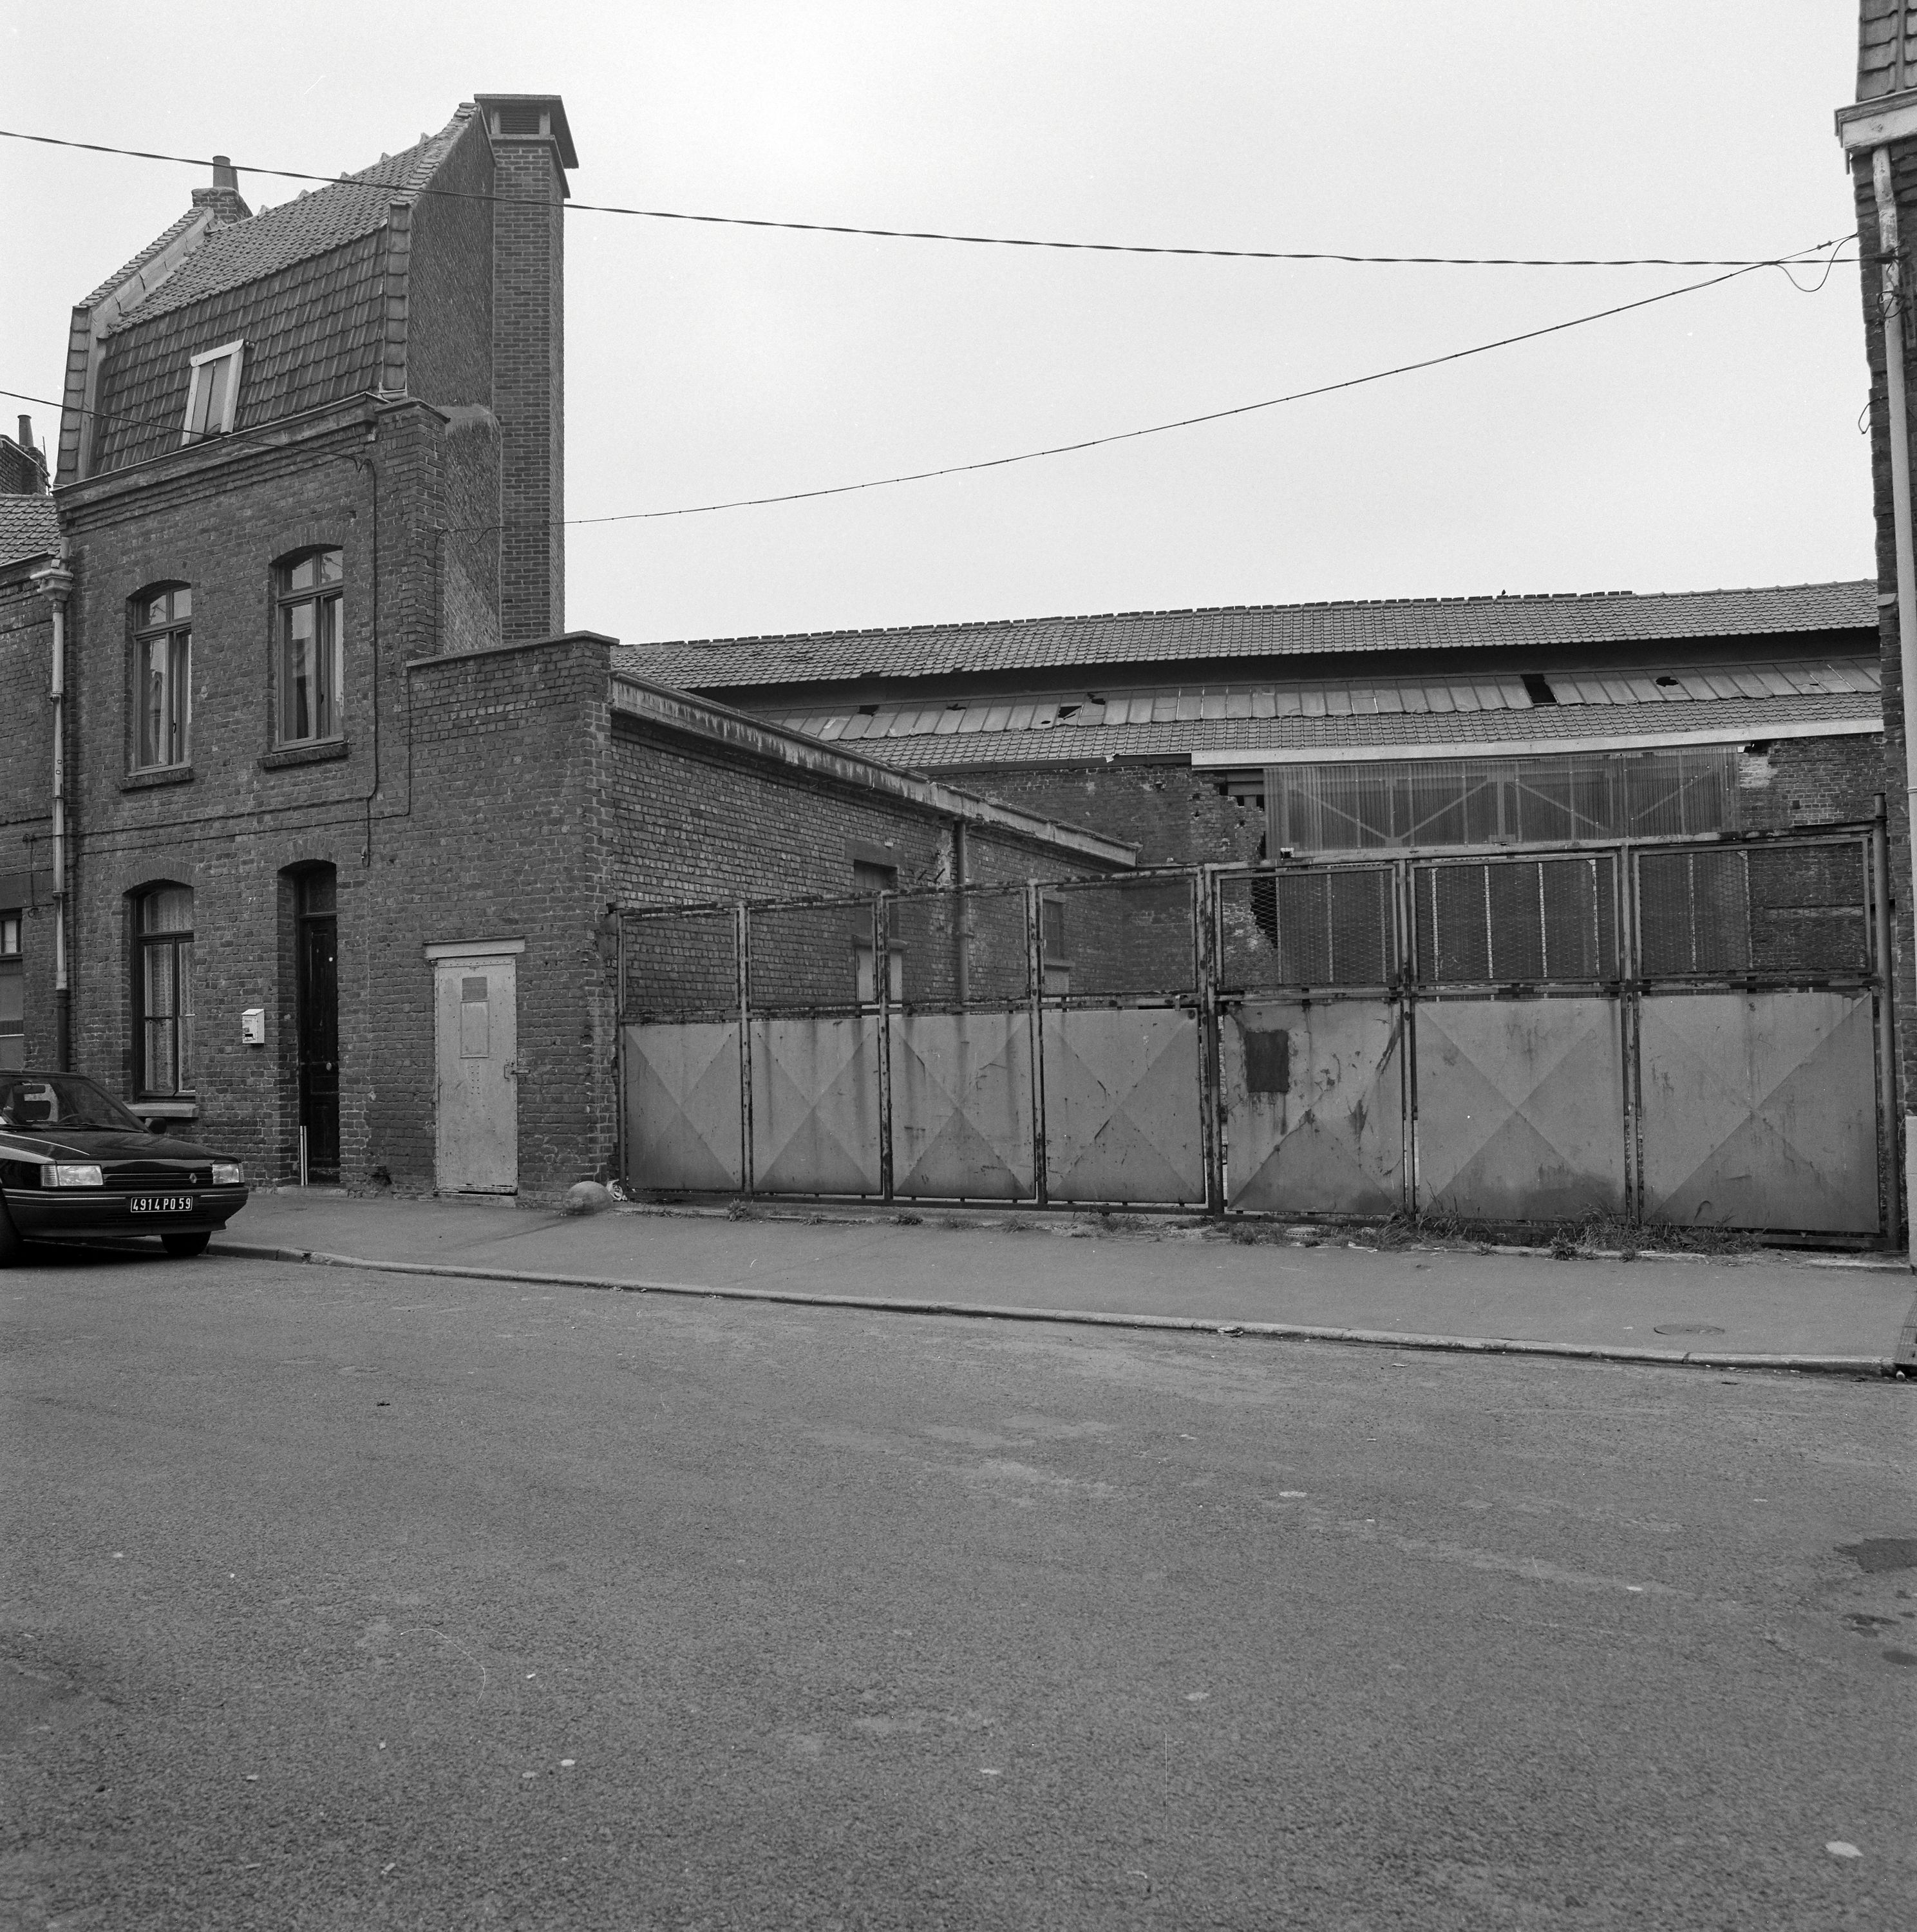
column 228, row 1174
column 69, row 1173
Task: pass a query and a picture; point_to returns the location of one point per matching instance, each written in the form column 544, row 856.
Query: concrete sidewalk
column 1769, row 1309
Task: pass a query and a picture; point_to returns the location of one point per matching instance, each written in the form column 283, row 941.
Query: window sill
column 165, row 1110
column 303, row 754
column 166, row 775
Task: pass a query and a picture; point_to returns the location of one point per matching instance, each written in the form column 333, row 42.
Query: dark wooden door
column 319, row 1043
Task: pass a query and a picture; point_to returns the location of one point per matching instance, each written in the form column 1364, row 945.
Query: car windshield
column 37, row 1101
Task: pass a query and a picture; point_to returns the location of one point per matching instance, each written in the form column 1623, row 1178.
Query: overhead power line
column 1066, row 448
column 974, row 241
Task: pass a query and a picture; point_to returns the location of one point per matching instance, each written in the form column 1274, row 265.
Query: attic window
column 215, row 395
column 520, row 120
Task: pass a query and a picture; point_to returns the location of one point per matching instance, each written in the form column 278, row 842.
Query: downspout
column 1889, row 256
column 57, row 582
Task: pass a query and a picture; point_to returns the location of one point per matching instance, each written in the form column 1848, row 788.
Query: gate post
column 1887, row 1070
column 619, row 1041
column 1035, row 1011
column 882, row 987
column 1204, row 942
column 1630, row 996
column 742, row 966
column 1404, row 920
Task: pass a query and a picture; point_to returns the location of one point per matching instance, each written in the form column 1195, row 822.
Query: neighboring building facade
column 29, row 545
column 1879, row 135
column 349, row 803
column 1230, row 734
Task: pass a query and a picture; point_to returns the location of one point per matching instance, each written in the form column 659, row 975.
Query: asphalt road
column 336, row 1599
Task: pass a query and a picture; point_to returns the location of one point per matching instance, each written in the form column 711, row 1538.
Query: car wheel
column 186, row 1244
column 10, row 1239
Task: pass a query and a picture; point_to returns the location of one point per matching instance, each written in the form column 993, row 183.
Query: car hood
column 98, row 1144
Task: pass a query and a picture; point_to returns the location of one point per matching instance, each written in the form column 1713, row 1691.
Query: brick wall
column 528, row 385
column 1811, row 781
column 1904, row 176
column 26, row 732
column 1176, row 816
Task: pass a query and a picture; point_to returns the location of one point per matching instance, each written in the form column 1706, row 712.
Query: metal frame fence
column 1356, row 1034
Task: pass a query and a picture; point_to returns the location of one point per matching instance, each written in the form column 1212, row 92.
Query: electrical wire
column 1062, row 448
column 1184, row 422
column 975, row 241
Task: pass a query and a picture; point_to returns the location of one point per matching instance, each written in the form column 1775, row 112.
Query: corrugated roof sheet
column 29, row 526
column 1743, row 717
column 1255, row 631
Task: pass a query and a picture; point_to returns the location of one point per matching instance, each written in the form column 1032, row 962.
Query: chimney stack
column 531, row 150
column 223, row 196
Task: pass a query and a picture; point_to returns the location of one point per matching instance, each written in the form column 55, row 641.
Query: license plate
column 162, row 1204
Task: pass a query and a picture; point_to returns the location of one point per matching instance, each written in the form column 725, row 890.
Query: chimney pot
column 223, row 174
column 26, row 433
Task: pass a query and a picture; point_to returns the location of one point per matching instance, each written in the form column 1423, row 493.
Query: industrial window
column 13, row 994
column 163, row 664
column 310, row 655
column 162, row 990
column 215, row 392
column 1512, row 801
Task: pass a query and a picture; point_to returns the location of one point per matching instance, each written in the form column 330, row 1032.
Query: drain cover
column 1688, row 1328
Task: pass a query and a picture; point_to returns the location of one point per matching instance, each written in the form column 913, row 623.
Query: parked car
column 76, row 1163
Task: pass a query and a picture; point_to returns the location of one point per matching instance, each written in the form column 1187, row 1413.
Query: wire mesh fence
column 1788, row 910
column 1324, row 926
column 1503, row 922
column 1122, row 938
column 680, row 962
column 958, row 949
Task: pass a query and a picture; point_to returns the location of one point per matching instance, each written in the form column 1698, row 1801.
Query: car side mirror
column 156, row 1123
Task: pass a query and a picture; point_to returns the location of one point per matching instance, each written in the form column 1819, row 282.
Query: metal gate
column 1675, row 1031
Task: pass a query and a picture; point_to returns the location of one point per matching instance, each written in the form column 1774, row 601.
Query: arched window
column 309, row 652
column 162, row 990
column 162, row 677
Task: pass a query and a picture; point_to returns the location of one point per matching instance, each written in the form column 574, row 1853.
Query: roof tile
column 1256, row 630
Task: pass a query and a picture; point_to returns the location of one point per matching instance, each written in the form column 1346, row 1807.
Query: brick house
column 1223, row 735
column 1879, row 136
column 348, row 802
column 29, row 545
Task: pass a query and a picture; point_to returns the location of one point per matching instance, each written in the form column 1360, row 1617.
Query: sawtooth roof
column 29, row 526
column 1254, row 630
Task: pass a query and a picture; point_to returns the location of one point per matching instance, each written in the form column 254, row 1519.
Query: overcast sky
column 1709, row 441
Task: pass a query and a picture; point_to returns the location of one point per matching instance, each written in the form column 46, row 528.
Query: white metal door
column 477, row 1095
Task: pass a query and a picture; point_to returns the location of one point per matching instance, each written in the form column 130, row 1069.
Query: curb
column 1848, row 1365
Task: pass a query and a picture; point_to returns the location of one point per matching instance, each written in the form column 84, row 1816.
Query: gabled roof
column 244, row 251
column 1255, row 631
column 29, row 526
column 157, row 246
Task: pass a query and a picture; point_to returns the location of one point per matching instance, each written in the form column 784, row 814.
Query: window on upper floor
column 214, row 394
column 13, row 993
column 162, row 990
column 310, row 656
column 162, row 677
